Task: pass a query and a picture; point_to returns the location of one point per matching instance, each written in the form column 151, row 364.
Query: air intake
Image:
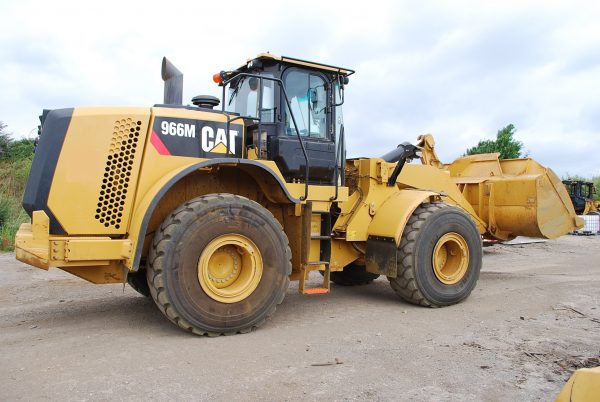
column 119, row 164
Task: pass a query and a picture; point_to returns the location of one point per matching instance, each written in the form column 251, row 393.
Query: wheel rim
column 230, row 268
column 450, row 258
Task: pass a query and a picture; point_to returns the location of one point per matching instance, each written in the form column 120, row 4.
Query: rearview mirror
column 313, row 97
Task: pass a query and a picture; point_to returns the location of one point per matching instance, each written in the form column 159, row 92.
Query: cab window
column 243, row 98
column 308, row 102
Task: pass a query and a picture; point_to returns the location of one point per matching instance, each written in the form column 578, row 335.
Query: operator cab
column 580, row 192
column 289, row 105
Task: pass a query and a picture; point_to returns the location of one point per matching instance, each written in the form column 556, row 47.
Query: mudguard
column 145, row 208
column 387, row 226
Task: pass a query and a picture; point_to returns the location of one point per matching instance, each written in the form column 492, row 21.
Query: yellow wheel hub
column 230, row 268
column 450, row 258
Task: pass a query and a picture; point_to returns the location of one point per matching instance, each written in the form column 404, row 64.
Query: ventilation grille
column 117, row 172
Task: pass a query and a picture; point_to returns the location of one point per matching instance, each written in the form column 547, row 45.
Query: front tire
column 439, row 258
column 219, row 264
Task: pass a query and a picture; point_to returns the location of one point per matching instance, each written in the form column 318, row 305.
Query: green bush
column 20, row 149
column 13, row 178
column 15, row 163
column 5, row 210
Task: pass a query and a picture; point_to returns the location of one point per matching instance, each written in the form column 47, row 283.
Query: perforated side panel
column 119, row 165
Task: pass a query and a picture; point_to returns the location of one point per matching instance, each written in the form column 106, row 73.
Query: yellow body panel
column 429, row 178
column 342, row 254
column 591, row 206
column 96, row 259
column 315, row 193
column 32, row 241
column 583, row 386
column 381, row 210
column 111, row 273
column 36, row 246
column 392, row 216
column 97, row 249
column 369, row 194
column 75, row 195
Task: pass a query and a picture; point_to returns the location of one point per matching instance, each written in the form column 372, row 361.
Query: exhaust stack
column 173, row 79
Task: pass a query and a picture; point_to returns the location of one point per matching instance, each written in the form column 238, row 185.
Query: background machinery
column 582, row 196
column 213, row 211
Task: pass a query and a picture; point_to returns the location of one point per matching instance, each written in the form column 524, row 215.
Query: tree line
column 12, row 149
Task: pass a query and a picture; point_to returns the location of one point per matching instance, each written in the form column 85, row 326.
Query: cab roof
column 299, row 62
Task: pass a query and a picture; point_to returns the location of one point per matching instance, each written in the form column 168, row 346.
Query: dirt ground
column 533, row 318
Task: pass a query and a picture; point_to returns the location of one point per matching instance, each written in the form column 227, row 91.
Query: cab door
column 309, row 94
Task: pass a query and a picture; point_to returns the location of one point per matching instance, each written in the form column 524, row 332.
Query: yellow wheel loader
column 582, row 196
column 213, row 208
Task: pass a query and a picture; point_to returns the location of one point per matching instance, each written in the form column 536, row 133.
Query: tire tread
column 405, row 284
column 162, row 242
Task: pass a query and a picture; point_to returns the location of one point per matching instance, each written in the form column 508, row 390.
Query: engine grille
column 115, row 183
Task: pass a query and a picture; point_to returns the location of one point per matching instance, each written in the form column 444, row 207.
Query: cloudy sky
column 457, row 69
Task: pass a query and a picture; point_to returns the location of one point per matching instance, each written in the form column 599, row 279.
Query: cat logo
column 196, row 138
column 218, row 143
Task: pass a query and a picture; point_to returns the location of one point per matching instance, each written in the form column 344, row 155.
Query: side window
column 243, row 98
column 267, row 113
column 308, row 101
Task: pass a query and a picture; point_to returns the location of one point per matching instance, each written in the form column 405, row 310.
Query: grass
column 13, row 177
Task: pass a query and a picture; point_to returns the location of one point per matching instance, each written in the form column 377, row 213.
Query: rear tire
column 353, row 275
column 439, row 258
column 219, row 264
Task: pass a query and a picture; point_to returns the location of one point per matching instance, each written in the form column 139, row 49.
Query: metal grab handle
column 338, row 153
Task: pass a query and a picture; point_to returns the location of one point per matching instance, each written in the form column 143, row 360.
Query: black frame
column 281, row 96
column 259, row 120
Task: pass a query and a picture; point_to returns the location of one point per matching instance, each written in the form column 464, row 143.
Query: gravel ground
column 533, row 318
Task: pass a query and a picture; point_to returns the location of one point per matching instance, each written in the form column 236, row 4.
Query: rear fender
column 391, row 217
column 387, row 226
column 270, row 183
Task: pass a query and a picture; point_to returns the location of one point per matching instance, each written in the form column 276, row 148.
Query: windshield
column 308, row 98
column 242, row 98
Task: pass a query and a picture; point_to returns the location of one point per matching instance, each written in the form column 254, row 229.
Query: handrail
column 259, row 119
column 338, row 152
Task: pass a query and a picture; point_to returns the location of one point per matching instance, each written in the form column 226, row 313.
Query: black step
column 320, row 237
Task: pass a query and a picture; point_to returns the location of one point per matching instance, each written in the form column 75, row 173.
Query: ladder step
column 315, row 291
column 318, row 263
column 319, row 230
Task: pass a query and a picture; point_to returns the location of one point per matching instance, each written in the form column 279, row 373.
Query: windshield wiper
column 236, row 90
